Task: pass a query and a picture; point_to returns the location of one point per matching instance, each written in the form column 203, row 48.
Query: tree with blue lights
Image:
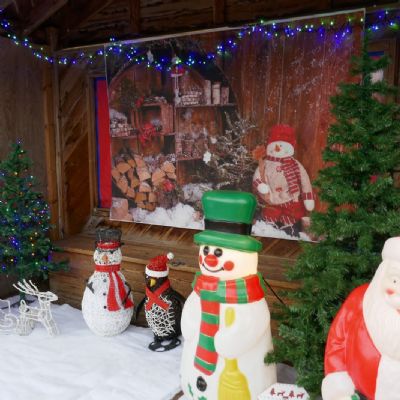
column 25, row 248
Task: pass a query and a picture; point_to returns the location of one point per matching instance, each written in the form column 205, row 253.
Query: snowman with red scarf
column 282, row 183
column 226, row 321
column 107, row 304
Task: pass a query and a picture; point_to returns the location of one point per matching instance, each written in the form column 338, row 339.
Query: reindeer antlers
column 27, row 287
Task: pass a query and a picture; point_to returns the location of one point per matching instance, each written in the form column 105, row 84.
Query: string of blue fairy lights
column 142, row 54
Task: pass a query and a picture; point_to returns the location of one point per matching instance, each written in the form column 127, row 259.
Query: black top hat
column 107, row 235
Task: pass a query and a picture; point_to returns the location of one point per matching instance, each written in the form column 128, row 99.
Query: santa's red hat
column 283, row 133
column 391, row 249
column 157, row 267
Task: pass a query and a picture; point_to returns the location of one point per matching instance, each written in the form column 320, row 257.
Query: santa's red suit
column 350, row 348
column 362, row 350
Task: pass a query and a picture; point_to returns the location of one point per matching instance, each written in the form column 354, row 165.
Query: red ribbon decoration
column 154, row 297
column 112, row 304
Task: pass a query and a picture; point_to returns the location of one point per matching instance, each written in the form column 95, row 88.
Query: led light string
column 268, row 30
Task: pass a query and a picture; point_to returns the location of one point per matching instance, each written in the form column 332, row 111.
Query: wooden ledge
column 140, row 251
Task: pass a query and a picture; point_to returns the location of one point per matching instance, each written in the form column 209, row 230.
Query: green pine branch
column 362, row 211
column 25, row 248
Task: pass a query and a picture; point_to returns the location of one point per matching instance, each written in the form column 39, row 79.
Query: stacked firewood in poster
column 144, row 181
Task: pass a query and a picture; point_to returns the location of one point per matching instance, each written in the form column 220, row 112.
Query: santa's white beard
column 382, row 320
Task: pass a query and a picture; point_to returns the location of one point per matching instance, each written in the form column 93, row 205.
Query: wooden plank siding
column 143, row 242
column 77, row 144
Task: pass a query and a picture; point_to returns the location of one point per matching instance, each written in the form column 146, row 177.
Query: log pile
column 140, row 181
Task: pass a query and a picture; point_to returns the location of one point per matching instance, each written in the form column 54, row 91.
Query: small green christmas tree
column 25, row 248
column 363, row 204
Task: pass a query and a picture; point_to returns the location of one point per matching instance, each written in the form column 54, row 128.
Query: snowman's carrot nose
column 211, row 260
column 277, row 147
column 105, row 258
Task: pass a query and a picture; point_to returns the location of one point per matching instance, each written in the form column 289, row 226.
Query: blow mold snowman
column 282, row 183
column 226, row 321
column 107, row 304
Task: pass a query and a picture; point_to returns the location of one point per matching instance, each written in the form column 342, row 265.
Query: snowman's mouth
column 213, row 271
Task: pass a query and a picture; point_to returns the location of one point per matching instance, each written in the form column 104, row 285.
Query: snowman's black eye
column 218, row 252
column 206, row 250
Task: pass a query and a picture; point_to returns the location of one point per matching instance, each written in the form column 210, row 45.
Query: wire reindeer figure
column 8, row 321
column 29, row 314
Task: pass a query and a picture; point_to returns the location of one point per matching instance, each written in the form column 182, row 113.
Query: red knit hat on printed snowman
column 283, row 133
column 157, row 267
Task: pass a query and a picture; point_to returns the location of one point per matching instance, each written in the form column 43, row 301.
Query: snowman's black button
column 104, row 294
column 104, row 280
column 201, row 384
column 105, row 307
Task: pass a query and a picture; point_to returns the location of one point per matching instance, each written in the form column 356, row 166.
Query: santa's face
column 227, row 264
column 107, row 257
column 280, row 149
column 391, row 284
column 381, row 308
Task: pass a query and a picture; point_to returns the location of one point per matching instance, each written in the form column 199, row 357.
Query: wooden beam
column 5, row 3
column 75, row 17
column 219, row 12
column 50, row 138
column 134, row 16
column 41, row 13
column 53, row 141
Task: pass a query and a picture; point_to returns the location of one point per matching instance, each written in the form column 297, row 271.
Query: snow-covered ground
column 180, row 216
column 261, row 228
column 77, row 365
column 185, row 216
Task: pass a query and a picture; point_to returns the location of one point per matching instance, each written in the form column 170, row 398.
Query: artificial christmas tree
column 25, row 248
column 362, row 206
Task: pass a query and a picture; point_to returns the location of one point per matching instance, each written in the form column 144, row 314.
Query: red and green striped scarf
column 212, row 292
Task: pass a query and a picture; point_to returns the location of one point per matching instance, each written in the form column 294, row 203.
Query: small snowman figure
column 107, row 304
column 226, row 320
column 282, row 183
column 163, row 305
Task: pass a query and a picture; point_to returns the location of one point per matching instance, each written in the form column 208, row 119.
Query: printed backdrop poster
column 185, row 119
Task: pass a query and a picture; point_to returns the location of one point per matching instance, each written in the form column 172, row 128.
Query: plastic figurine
column 225, row 320
column 163, row 305
column 282, row 184
column 363, row 348
column 107, row 303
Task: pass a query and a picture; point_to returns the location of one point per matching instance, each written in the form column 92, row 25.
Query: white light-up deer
column 29, row 315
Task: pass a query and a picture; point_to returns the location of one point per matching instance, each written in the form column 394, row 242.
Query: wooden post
column 53, row 140
column 134, row 16
column 219, row 12
column 91, row 142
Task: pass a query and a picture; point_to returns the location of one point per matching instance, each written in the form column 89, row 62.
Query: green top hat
column 228, row 216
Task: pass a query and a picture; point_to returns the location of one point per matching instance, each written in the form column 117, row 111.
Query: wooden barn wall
column 21, row 115
column 21, row 105
column 76, row 132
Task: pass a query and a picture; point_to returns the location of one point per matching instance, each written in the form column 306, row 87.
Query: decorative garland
column 269, row 30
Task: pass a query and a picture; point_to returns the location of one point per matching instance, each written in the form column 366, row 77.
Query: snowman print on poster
column 282, row 184
column 107, row 304
column 226, row 320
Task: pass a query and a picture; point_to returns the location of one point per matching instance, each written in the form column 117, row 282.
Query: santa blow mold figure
column 282, row 184
column 363, row 348
column 225, row 320
column 163, row 305
column 107, row 304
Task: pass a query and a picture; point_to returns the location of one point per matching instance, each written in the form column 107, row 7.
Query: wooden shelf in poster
column 207, row 105
column 189, row 159
column 153, row 104
column 125, row 137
